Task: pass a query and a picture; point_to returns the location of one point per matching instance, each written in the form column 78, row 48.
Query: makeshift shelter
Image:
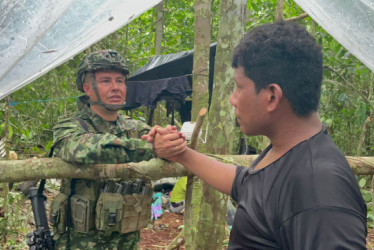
column 351, row 22
column 169, row 78
column 34, row 37
column 39, row 35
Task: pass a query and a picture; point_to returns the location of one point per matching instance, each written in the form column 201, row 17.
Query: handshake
column 167, row 142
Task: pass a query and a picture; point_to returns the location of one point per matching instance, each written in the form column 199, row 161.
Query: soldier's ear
column 86, row 88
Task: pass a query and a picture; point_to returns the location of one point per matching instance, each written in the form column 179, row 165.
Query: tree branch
column 155, row 169
column 297, row 18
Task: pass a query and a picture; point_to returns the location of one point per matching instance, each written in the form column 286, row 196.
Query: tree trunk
column 155, row 169
column 200, row 99
column 155, row 118
column 4, row 186
column 200, row 70
column 159, row 27
column 279, row 11
column 213, row 203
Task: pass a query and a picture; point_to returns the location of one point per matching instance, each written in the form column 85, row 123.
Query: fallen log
column 48, row 168
column 155, row 169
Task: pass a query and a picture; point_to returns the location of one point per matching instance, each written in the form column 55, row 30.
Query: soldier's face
column 111, row 87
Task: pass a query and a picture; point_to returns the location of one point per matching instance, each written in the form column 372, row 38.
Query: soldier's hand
column 168, row 144
column 151, row 134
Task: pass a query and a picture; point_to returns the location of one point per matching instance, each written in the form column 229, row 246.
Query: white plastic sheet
column 38, row 35
column 350, row 22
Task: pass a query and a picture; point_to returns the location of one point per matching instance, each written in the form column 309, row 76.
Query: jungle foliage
column 346, row 108
column 346, row 100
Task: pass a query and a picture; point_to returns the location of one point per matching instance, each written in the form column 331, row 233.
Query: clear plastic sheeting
column 350, row 22
column 38, row 35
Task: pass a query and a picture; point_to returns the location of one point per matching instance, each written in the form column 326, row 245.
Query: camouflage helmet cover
column 100, row 60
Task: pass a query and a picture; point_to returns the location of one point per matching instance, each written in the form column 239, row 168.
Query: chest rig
column 107, row 206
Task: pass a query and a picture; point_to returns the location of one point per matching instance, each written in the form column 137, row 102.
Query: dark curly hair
column 286, row 54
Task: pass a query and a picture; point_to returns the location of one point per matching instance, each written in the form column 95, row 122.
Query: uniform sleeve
column 324, row 228
column 73, row 144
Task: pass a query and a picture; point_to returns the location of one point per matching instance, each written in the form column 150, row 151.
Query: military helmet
column 100, row 60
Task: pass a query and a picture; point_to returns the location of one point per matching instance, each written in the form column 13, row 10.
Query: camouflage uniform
column 105, row 142
column 86, row 138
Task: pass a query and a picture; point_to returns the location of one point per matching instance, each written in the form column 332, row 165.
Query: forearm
column 217, row 174
column 103, row 148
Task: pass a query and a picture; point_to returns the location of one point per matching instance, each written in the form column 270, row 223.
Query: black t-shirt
column 307, row 199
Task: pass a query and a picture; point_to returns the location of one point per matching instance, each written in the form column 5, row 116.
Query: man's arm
column 172, row 147
column 217, row 174
column 73, row 144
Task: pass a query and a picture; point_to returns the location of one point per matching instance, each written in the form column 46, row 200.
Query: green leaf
column 328, row 122
column 10, row 132
column 361, row 113
column 48, row 146
column 222, row 113
column 366, row 195
column 36, row 150
column 46, row 126
column 370, row 216
column 362, row 182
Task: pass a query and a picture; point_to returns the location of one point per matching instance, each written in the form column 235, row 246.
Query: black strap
column 69, row 222
column 41, row 186
column 83, row 123
column 50, row 154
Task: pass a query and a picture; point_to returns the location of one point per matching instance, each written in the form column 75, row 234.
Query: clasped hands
column 168, row 143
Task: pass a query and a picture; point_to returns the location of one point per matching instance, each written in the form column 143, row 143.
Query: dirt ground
column 164, row 230
column 370, row 239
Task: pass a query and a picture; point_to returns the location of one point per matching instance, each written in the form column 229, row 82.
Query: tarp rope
column 46, row 100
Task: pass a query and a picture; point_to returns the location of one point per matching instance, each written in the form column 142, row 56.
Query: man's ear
column 86, row 88
column 274, row 96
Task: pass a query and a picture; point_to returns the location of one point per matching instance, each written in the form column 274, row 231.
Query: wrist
column 183, row 156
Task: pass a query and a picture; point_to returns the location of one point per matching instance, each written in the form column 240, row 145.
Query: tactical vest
column 107, row 206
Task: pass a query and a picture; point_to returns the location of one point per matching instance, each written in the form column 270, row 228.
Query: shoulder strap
column 50, row 154
column 83, row 123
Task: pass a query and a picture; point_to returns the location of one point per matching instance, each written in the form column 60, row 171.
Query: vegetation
column 346, row 103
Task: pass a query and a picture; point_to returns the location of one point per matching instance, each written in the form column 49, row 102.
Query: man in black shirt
column 300, row 193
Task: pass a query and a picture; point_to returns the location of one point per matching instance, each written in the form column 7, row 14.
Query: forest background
column 28, row 115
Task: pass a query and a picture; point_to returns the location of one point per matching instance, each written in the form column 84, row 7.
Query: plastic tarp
column 350, row 22
column 38, row 35
column 170, row 65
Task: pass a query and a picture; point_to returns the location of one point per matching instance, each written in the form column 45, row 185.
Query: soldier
column 89, row 214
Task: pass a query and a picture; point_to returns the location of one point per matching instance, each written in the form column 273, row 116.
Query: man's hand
column 167, row 142
column 151, row 134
